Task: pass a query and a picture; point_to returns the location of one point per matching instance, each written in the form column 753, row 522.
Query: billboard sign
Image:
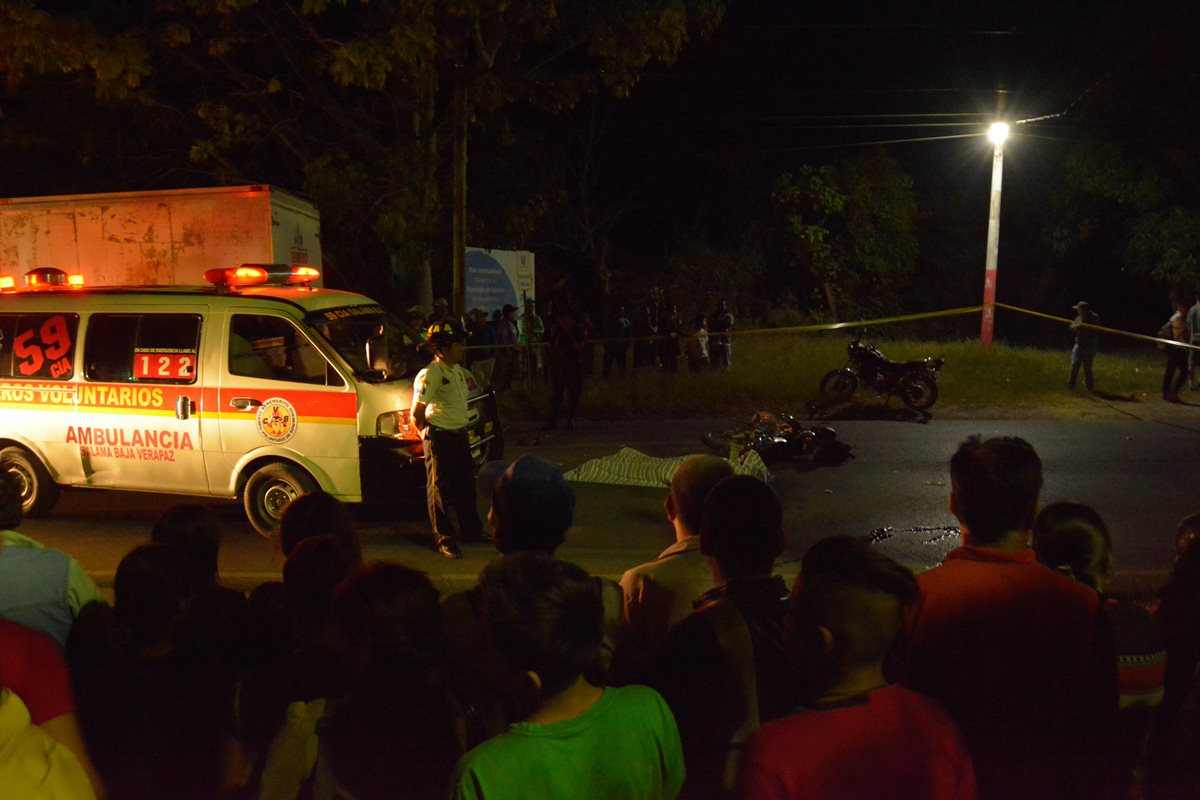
column 496, row 278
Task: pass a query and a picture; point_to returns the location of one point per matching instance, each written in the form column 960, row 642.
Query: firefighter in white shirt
column 439, row 411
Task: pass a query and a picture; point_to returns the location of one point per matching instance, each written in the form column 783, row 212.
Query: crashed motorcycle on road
column 779, row 437
column 914, row 382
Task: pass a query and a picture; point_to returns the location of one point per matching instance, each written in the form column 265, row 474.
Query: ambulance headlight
column 395, row 425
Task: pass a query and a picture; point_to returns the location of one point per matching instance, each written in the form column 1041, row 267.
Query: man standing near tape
column 1193, row 321
column 1175, row 329
column 439, row 412
column 1086, row 341
column 720, row 349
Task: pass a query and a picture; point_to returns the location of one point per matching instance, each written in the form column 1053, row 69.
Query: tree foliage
column 848, row 231
column 349, row 101
column 1127, row 195
column 700, row 272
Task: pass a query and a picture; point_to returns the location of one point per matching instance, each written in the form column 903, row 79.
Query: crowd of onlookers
column 1004, row 672
column 511, row 344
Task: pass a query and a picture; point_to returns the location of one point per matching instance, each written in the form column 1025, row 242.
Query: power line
column 798, row 148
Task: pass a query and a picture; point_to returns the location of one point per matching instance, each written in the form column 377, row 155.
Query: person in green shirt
column 531, row 331
column 542, row 619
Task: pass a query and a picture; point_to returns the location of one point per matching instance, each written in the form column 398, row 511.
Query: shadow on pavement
column 1116, row 398
column 867, row 411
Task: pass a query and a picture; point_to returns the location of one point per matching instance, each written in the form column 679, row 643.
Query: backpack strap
column 737, row 657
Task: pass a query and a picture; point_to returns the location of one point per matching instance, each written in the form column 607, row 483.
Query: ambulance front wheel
column 268, row 493
column 39, row 492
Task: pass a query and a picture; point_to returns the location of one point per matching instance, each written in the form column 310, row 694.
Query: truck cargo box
column 152, row 238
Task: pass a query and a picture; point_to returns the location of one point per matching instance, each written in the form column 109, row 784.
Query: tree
column 1125, row 215
column 1118, row 207
column 849, row 231
column 700, row 272
column 353, row 101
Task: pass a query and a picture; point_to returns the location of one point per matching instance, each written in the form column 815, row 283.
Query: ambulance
column 258, row 387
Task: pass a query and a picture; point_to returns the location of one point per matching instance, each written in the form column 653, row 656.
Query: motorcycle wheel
column 839, row 385
column 918, row 392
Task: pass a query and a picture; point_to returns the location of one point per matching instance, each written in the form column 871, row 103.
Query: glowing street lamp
column 998, row 133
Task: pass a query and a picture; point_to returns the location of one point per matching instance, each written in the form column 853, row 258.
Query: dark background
column 682, row 168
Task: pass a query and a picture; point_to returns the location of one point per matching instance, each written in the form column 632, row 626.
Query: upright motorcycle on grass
column 779, row 437
column 914, row 382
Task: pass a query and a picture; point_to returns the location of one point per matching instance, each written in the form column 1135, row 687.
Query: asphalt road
column 1140, row 475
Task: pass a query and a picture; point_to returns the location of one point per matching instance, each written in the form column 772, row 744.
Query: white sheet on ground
column 629, row 467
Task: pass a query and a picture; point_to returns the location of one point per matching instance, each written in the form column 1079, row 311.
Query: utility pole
column 459, row 193
column 998, row 134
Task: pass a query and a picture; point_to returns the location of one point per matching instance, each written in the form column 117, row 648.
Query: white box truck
column 157, row 238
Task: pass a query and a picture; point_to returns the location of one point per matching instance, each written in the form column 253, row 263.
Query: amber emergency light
column 42, row 278
column 256, row 274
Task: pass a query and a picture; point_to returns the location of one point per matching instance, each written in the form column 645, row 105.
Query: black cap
column 442, row 335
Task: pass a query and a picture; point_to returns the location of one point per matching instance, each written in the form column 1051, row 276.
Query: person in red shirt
column 1013, row 650
column 855, row 736
column 32, row 668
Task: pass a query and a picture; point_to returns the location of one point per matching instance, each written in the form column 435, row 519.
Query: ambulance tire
column 268, row 492
column 39, row 492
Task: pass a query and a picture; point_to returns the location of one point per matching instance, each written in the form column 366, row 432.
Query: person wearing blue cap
column 1087, row 339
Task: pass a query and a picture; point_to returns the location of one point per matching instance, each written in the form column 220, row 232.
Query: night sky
column 782, row 84
column 693, row 152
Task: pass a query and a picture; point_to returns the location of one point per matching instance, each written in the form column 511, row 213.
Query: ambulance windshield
column 370, row 339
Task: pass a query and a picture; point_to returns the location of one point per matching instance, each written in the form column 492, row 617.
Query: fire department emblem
column 276, row 420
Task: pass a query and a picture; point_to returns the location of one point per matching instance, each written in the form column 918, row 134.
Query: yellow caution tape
column 862, row 323
column 1116, row 331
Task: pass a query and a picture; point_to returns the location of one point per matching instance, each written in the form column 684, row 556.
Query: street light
column 998, row 133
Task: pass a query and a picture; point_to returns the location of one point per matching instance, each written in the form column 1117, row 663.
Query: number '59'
column 54, row 342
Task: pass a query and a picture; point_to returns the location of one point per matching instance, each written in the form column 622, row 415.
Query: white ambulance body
column 262, row 392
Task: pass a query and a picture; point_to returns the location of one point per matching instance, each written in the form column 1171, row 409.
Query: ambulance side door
column 280, row 396
column 37, row 390
column 139, row 405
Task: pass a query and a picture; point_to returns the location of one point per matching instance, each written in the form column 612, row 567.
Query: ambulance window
column 142, row 348
column 40, row 346
column 274, row 348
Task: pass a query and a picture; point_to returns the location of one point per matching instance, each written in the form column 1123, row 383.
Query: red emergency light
column 304, row 275
column 257, row 274
column 245, row 275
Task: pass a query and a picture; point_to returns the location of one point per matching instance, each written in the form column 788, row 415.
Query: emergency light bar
column 49, row 278
column 256, row 274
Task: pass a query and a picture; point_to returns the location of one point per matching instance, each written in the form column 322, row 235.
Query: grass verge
column 782, row 371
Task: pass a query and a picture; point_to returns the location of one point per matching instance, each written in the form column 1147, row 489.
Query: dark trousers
column 450, row 483
column 719, row 354
column 614, row 355
column 1081, row 358
column 565, row 379
column 645, row 352
column 1176, row 371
